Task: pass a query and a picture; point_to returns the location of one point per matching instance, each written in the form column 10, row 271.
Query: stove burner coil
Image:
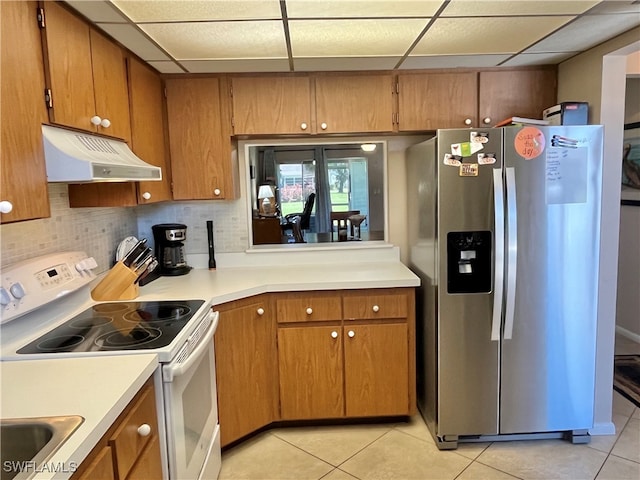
column 60, row 344
column 159, row 313
column 90, row 322
column 127, row 338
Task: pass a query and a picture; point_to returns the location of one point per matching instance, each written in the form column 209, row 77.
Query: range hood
column 76, row 157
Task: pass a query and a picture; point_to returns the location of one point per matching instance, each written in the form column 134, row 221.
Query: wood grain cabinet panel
column 311, row 372
column 100, row 467
column 271, row 105
column 246, row 364
column 200, row 141
column 376, row 366
column 149, row 465
column 86, row 73
column 524, row 93
column 354, row 103
column 375, row 305
column 429, row 101
column 308, row 307
column 23, row 182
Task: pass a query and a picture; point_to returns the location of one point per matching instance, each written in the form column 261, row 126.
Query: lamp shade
column 266, row 191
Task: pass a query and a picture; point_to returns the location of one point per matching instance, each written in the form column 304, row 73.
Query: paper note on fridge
column 566, row 176
column 466, row 149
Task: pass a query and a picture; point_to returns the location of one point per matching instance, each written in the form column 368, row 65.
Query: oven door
column 191, row 413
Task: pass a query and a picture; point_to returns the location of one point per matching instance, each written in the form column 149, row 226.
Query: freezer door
column 553, row 184
column 468, row 366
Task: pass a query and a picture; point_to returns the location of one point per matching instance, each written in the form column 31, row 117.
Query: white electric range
column 47, row 313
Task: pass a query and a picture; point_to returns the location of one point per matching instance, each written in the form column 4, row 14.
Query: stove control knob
column 144, row 430
column 17, row 290
column 86, row 264
column 5, row 298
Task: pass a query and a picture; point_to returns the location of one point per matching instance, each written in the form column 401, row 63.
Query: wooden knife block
column 118, row 284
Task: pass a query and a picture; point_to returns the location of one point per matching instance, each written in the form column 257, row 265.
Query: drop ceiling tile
column 538, row 59
column 324, row 64
column 236, row 66
column 353, row 38
column 586, row 32
column 361, row 8
column 98, row 11
column 187, row 10
column 475, row 8
column 465, row 36
column 220, row 40
column 166, row 67
column 134, row 40
column 452, row 61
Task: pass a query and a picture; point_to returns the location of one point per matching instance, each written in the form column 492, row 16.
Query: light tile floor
column 406, row 451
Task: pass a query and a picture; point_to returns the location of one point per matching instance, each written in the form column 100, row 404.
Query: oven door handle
column 172, row 370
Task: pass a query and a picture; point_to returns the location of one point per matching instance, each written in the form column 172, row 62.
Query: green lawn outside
column 336, row 200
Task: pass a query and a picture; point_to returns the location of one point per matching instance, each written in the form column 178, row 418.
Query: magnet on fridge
column 468, row 170
column 452, row 160
column 486, row 158
column 479, row 137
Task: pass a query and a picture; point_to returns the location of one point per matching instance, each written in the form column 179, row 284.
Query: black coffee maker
column 169, row 249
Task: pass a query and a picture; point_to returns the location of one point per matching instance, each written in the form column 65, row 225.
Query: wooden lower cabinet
column 122, row 453
column 246, row 367
column 311, row 373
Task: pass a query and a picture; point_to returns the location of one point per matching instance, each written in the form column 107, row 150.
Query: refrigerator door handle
column 498, row 274
column 512, row 249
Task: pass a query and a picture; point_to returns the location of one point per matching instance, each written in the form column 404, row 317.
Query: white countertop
column 97, row 389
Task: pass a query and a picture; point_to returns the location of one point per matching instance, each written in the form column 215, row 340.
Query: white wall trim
column 603, row 428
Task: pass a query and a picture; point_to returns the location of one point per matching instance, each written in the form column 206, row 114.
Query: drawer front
column 127, row 443
column 308, row 308
column 371, row 306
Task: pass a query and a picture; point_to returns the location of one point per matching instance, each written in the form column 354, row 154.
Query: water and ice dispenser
column 469, row 262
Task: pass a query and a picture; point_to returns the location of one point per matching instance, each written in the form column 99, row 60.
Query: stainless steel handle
column 498, row 274
column 512, row 252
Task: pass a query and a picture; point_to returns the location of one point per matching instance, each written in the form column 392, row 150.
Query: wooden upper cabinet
column 86, row 74
column 271, row 105
column 354, row 103
column 428, row 101
column 524, row 93
column 200, row 140
column 148, row 129
column 24, row 178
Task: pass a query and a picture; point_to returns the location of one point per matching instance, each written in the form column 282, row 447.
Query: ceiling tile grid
column 226, row 36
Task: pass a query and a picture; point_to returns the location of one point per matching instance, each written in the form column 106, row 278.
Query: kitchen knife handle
column 498, row 274
column 512, row 251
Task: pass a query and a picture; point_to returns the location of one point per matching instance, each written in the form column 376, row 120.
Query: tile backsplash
column 98, row 231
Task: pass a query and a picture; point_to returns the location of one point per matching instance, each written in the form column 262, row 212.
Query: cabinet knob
column 105, row 123
column 260, row 311
column 334, row 334
column 5, row 206
column 216, row 192
column 323, row 126
column 376, row 308
column 309, row 310
column 303, row 126
column 467, row 121
column 351, row 334
column 486, row 120
column 146, row 195
column 95, row 120
column 144, row 430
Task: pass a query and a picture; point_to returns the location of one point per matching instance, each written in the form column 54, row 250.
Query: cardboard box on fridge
column 567, row 113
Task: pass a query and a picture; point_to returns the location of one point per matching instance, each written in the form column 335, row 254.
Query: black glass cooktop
column 118, row 326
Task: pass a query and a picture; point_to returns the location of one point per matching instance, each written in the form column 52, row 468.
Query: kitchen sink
column 27, row 443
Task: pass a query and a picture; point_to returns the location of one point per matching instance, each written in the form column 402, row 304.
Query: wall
column 598, row 77
column 96, row 231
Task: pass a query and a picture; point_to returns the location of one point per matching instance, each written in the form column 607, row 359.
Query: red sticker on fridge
column 529, row 142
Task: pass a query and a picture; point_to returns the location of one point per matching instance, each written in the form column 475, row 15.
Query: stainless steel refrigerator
column 504, row 233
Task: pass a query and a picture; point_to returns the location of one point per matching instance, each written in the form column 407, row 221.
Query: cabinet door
column 246, row 365
column 23, row 181
column 311, row 375
column 524, row 93
column 428, row 101
column 376, row 364
column 271, row 105
column 199, row 141
column 69, row 71
column 110, row 82
column 147, row 128
column 149, row 464
column 100, row 467
column 354, row 103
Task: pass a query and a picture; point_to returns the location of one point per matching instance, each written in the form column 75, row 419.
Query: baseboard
column 628, row 334
column 603, row 428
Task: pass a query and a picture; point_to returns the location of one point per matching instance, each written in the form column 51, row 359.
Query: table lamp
column 267, row 200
